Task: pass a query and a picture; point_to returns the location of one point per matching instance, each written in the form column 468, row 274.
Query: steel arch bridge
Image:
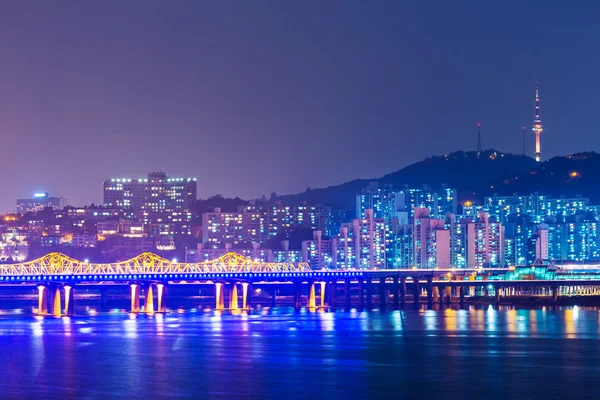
column 146, row 263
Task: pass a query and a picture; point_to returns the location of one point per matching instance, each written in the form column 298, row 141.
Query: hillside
column 471, row 175
column 571, row 175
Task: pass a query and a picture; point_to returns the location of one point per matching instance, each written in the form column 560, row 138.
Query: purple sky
column 252, row 97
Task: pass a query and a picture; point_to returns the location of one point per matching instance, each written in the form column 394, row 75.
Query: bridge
column 148, row 275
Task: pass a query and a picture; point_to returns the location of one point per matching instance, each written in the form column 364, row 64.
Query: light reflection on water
column 475, row 353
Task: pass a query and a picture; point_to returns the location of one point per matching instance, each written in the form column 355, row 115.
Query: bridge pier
column 233, row 296
column 461, row 294
column 42, row 300
column 347, row 293
column 219, row 296
column 298, row 295
column 135, row 297
column 149, row 299
column 402, row 292
column 395, row 291
column 274, row 296
column 382, row 294
column 361, row 294
column 369, row 293
column 55, row 303
column 497, row 295
column 322, row 292
column 332, row 292
column 554, row 294
column 430, row 292
column 312, row 301
column 103, row 298
column 246, row 289
column 441, row 295
column 68, row 300
column 161, row 297
column 417, row 293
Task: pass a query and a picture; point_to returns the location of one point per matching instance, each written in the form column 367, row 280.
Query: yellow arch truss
column 146, row 263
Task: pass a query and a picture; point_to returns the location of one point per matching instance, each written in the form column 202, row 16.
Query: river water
column 445, row 354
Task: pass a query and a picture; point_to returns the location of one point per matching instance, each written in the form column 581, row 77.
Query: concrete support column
column 347, row 292
column 274, row 296
column 68, row 300
column 219, row 296
column 417, row 292
column 103, row 298
column 298, row 295
column 429, row 292
column 332, row 292
column 312, row 300
column 441, row 294
column 402, row 292
column 361, row 294
column 42, row 299
column 135, row 297
column 246, row 290
column 161, row 297
column 554, row 294
column 395, row 291
column 369, row 293
column 149, row 300
column 233, row 296
column 497, row 295
column 382, row 294
column 461, row 294
column 226, row 295
column 54, row 297
column 322, row 292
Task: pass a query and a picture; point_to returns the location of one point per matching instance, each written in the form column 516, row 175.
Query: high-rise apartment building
column 371, row 239
column 155, row 194
column 236, row 228
column 485, row 240
column 439, row 202
column 431, row 241
column 344, row 249
column 260, row 223
column 381, row 200
column 318, row 252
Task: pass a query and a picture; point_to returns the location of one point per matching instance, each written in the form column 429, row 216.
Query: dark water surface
column 446, row 354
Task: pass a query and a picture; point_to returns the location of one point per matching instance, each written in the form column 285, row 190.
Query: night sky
column 254, row 96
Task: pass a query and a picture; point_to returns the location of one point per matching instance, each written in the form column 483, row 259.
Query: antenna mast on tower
column 537, row 125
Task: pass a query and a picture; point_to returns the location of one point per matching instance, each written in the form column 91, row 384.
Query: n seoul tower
column 537, row 125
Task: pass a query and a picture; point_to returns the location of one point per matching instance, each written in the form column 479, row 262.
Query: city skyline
column 181, row 101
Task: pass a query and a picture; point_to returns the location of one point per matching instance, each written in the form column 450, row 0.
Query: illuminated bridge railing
column 146, row 263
